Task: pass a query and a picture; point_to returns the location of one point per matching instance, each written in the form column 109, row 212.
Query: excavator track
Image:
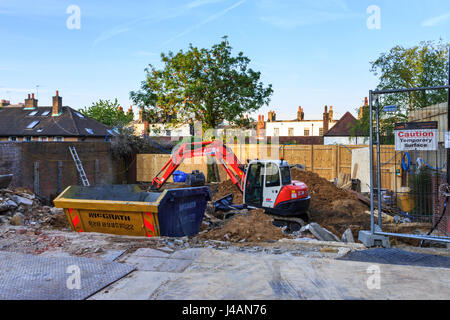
column 291, row 223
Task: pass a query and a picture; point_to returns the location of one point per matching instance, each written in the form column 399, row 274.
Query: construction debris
column 19, row 207
column 347, row 236
column 320, row 233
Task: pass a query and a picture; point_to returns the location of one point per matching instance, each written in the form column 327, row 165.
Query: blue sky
column 314, row 53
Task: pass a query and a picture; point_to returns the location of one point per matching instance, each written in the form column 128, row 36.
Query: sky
column 314, row 53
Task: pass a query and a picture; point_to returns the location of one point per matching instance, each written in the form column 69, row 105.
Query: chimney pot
column 29, row 96
column 32, row 95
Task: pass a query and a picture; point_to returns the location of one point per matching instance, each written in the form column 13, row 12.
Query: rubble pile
column 19, row 207
column 333, row 208
column 248, row 226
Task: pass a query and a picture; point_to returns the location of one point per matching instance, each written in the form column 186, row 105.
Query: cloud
column 290, row 15
column 435, row 21
column 111, row 33
column 155, row 18
column 207, row 20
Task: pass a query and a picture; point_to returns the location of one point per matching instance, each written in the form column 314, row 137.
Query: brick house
column 29, row 122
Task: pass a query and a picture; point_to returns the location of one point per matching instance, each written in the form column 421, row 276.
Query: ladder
column 79, row 166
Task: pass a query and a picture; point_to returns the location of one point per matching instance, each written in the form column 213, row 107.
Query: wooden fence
column 328, row 161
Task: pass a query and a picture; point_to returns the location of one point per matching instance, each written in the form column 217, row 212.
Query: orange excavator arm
column 215, row 148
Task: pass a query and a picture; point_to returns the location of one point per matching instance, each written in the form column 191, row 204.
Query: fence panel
column 410, row 181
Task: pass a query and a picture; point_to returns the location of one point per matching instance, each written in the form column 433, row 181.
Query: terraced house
column 28, row 122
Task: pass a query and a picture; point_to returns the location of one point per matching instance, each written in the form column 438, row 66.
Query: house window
column 27, row 138
column 58, row 139
column 43, row 139
column 320, row 131
column 45, row 113
column 290, row 132
column 33, row 113
column 13, row 139
column 168, row 132
column 306, row 132
column 276, row 132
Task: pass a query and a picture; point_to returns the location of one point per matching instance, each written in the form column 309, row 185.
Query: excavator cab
column 268, row 185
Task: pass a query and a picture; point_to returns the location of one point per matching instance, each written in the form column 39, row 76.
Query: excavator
column 265, row 184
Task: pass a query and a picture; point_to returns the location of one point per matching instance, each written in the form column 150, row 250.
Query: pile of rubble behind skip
column 19, row 207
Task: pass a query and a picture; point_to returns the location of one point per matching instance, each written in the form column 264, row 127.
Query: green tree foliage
column 109, row 113
column 208, row 85
column 423, row 65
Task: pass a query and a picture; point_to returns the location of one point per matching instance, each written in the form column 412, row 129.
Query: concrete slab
column 145, row 263
column 224, row 275
column 148, row 252
column 227, row 274
column 174, row 265
column 139, row 285
column 189, row 254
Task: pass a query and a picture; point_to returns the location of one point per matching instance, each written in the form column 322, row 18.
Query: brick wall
column 10, row 160
column 55, row 167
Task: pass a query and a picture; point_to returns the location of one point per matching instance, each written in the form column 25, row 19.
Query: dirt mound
column 225, row 188
column 332, row 207
column 255, row 226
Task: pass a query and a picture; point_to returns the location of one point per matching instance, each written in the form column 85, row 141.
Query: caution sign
column 416, row 136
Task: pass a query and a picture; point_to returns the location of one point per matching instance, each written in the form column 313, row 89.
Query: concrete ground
column 205, row 273
column 188, row 268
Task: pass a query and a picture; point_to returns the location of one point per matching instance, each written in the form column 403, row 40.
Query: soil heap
column 333, row 208
column 254, row 226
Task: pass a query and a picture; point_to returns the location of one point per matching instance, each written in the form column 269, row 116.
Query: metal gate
column 412, row 181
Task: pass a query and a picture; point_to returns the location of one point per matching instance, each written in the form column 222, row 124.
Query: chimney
column 300, row 114
column 330, row 113
column 31, row 103
column 57, row 105
column 361, row 109
column 260, row 126
column 326, row 120
column 270, row 116
column 146, row 127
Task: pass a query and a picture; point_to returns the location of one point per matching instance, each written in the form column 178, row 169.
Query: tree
column 423, row 65
column 208, row 85
column 109, row 113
